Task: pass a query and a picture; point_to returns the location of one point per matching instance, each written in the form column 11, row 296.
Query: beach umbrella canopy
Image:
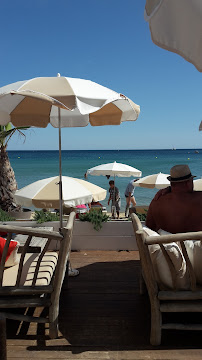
column 63, row 102
column 197, row 185
column 158, row 181
column 36, row 103
column 176, row 25
column 114, row 169
column 45, row 194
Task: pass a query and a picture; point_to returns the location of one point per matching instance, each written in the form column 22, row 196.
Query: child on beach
column 115, row 198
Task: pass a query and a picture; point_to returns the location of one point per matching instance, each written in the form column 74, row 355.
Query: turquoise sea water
column 30, row 166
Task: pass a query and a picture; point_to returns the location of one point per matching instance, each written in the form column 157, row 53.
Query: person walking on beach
column 129, row 195
column 114, row 196
column 177, row 208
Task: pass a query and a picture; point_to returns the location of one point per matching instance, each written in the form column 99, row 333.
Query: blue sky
column 106, row 41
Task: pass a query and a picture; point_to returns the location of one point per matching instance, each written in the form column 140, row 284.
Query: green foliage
column 43, row 216
column 96, row 217
column 4, row 216
column 142, row 217
column 7, row 131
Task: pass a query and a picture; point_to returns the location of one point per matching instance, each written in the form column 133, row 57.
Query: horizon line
column 106, row 149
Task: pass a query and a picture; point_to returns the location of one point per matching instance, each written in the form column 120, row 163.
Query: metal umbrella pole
column 60, row 171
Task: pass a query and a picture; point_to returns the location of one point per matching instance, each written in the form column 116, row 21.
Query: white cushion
column 163, row 232
column 13, row 258
column 194, row 251
column 45, row 273
column 161, row 269
column 149, row 231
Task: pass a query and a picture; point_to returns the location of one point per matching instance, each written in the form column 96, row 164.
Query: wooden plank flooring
column 102, row 316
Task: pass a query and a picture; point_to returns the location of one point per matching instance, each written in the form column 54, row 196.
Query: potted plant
column 4, row 216
column 96, row 217
column 42, row 216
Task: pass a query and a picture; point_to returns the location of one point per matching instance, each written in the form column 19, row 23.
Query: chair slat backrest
column 24, row 251
column 39, row 262
column 26, row 248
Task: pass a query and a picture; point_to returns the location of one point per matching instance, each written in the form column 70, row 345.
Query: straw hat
column 180, row 173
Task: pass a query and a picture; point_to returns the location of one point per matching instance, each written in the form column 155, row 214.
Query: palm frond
column 6, row 132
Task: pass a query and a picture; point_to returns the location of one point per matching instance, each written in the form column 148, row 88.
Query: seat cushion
column 45, row 273
column 161, row 268
column 194, row 251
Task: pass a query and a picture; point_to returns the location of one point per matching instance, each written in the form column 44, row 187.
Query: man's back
column 130, row 188
column 176, row 212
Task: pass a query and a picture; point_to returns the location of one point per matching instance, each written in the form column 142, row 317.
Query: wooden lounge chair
column 163, row 299
column 37, row 279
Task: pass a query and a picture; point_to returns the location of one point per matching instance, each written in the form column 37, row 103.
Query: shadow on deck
column 102, row 316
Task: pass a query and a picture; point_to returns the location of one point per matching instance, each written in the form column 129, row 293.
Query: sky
column 106, row 41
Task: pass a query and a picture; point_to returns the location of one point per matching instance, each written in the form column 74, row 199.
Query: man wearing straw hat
column 177, row 208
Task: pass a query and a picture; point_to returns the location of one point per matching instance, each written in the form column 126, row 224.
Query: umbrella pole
column 60, row 170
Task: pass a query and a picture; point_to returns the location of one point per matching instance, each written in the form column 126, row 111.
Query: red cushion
column 82, row 206
column 12, row 246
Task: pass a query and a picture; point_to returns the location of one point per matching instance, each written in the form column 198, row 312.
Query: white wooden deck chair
column 37, row 279
column 175, row 298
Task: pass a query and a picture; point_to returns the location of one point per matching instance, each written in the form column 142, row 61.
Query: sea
column 30, row 166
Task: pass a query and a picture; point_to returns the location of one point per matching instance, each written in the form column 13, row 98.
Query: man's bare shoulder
column 161, row 193
column 197, row 197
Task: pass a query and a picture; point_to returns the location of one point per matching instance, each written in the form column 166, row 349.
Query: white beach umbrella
column 45, row 194
column 40, row 101
column 36, row 103
column 176, row 25
column 114, row 169
column 158, row 181
column 197, row 185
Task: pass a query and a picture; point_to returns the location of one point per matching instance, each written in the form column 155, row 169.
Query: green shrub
column 142, row 217
column 4, row 216
column 96, row 217
column 43, row 216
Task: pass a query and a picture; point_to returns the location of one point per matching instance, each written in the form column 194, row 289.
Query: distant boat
column 173, row 148
column 196, row 152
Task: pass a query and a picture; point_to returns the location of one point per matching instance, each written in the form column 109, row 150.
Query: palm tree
column 8, row 183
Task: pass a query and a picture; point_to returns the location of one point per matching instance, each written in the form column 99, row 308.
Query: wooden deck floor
column 102, row 316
